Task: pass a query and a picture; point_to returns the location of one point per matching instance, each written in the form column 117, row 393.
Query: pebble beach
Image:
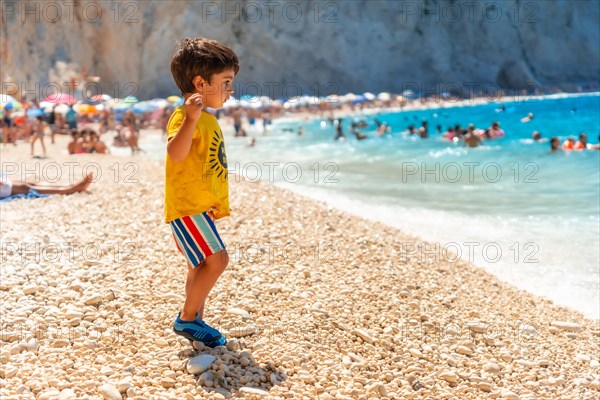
column 316, row 303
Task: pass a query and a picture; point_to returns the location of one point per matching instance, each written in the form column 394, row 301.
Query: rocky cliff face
column 288, row 47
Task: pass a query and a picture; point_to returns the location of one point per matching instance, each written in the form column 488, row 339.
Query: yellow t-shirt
column 198, row 183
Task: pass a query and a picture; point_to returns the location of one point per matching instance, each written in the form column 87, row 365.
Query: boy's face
column 218, row 91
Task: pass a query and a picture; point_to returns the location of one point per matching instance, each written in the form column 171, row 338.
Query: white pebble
column 449, row 376
column 507, row 394
column 109, row 392
column 567, row 326
column 255, row 391
column 200, row 363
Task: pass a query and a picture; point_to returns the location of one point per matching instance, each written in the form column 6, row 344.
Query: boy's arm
column 179, row 145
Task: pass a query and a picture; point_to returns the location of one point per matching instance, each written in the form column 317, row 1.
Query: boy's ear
column 198, row 81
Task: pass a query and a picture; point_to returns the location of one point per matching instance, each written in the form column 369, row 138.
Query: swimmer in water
column 537, row 137
column 471, row 139
column 528, row 118
column 554, row 144
column 496, row 131
column 582, row 143
column 383, row 128
column 569, row 143
column 356, row 132
column 339, row 134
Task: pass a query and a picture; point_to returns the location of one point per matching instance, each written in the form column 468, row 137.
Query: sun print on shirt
column 217, row 159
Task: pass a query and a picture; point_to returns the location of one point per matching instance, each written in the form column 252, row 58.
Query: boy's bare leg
column 188, row 284
column 199, row 283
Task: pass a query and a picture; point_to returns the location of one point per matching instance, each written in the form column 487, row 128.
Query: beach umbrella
column 408, row 94
column 369, row 96
column 119, row 104
column 256, row 102
column 14, row 106
column 46, row 105
column 332, row 99
column 97, row 99
column 130, row 100
column 359, row 99
column 144, row 107
column 314, row 100
column 7, row 102
column 175, row 100
column 160, row 103
column 35, row 112
column 61, row 108
column 384, row 96
column 348, row 97
column 60, row 98
column 231, row 102
column 6, row 99
column 85, row 109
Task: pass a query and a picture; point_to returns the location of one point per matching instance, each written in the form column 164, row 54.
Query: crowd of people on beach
column 34, row 124
column 126, row 126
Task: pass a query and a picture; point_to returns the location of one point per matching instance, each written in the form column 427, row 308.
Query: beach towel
column 32, row 194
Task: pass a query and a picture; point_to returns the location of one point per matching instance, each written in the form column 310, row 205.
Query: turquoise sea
column 528, row 216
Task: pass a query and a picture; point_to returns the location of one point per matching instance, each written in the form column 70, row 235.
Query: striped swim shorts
column 196, row 237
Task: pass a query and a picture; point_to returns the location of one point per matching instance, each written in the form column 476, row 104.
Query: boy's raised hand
column 193, row 106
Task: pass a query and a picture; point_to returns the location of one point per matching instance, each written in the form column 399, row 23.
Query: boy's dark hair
column 200, row 56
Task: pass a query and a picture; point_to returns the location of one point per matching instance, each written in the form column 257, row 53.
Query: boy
column 196, row 191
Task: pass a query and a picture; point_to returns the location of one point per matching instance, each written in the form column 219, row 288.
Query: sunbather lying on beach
column 10, row 187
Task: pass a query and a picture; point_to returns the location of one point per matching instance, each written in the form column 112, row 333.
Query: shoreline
column 323, row 304
column 469, row 250
column 508, row 273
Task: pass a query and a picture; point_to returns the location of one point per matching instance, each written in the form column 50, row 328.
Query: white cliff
column 317, row 48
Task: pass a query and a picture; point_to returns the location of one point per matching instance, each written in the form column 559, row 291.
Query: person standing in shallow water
column 554, row 144
column 196, row 180
column 339, row 133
